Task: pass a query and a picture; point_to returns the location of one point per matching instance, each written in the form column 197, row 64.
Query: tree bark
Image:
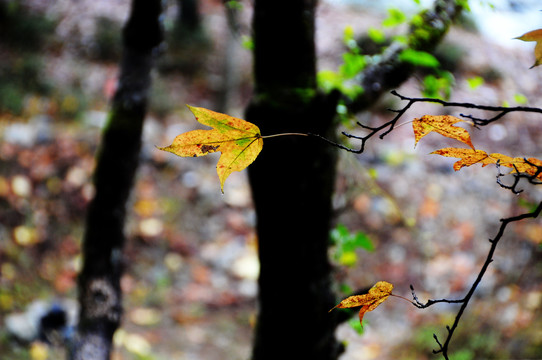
column 117, row 160
column 292, row 183
column 292, row 180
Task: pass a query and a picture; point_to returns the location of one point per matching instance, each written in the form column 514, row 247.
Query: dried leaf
column 535, row 35
column 368, row 302
column 238, row 140
column 470, row 157
column 442, row 124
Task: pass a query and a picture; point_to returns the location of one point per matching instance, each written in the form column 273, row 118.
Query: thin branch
column 533, row 177
column 500, row 110
column 444, row 347
column 389, row 126
column 386, row 128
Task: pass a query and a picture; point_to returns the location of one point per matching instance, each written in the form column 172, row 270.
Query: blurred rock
column 36, row 130
column 47, row 321
column 25, row 326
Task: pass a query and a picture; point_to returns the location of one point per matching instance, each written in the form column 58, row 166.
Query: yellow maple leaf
column 239, row 142
column 442, row 124
column 470, row 157
column 368, row 302
column 535, row 35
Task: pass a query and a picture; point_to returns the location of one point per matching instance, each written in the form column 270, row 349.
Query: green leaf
column 329, row 80
column 464, row 4
column 247, row 42
column 376, row 35
column 395, row 17
column 234, row 5
column 438, row 87
column 355, row 325
column 348, row 38
column 346, row 243
column 361, row 240
column 520, row 99
column 475, row 82
column 419, row 58
column 352, row 65
column 348, row 33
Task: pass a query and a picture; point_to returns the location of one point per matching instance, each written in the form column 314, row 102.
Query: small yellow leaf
column 535, row 35
column 238, row 140
column 442, row 124
column 368, row 302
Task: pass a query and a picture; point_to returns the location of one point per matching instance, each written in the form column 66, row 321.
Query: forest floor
column 190, row 281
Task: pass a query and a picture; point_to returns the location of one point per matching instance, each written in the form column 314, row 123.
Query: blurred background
column 401, row 215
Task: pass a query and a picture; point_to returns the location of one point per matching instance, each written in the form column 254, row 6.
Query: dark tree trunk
column 117, row 161
column 188, row 16
column 292, row 180
column 292, row 183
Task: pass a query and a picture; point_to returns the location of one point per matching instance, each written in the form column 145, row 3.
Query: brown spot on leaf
column 209, row 148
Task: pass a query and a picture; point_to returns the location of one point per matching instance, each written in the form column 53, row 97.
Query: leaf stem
column 404, row 123
column 283, row 134
column 401, row 297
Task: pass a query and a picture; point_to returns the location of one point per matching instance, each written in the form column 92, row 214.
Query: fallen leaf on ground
column 442, row 124
column 238, row 140
column 368, row 302
column 535, row 35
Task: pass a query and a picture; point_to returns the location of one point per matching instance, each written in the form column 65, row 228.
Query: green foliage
column 376, row 35
column 520, row 99
column 22, row 29
column 353, row 64
column 18, row 76
column 346, row 243
column 395, row 17
column 348, row 37
column 464, row 4
column 247, row 42
column 419, row 58
column 20, row 71
column 438, row 86
column 11, row 98
column 107, row 42
column 355, row 324
column 464, row 354
column 234, row 5
column 475, row 82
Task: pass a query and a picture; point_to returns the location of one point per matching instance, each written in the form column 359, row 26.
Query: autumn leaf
column 535, row 35
column 470, row 157
column 239, row 142
column 368, row 302
column 442, row 124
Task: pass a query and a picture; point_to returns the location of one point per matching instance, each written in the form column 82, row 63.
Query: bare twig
column 443, row 347
column 500, row 110
column 533, row 178
column 389, row 126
